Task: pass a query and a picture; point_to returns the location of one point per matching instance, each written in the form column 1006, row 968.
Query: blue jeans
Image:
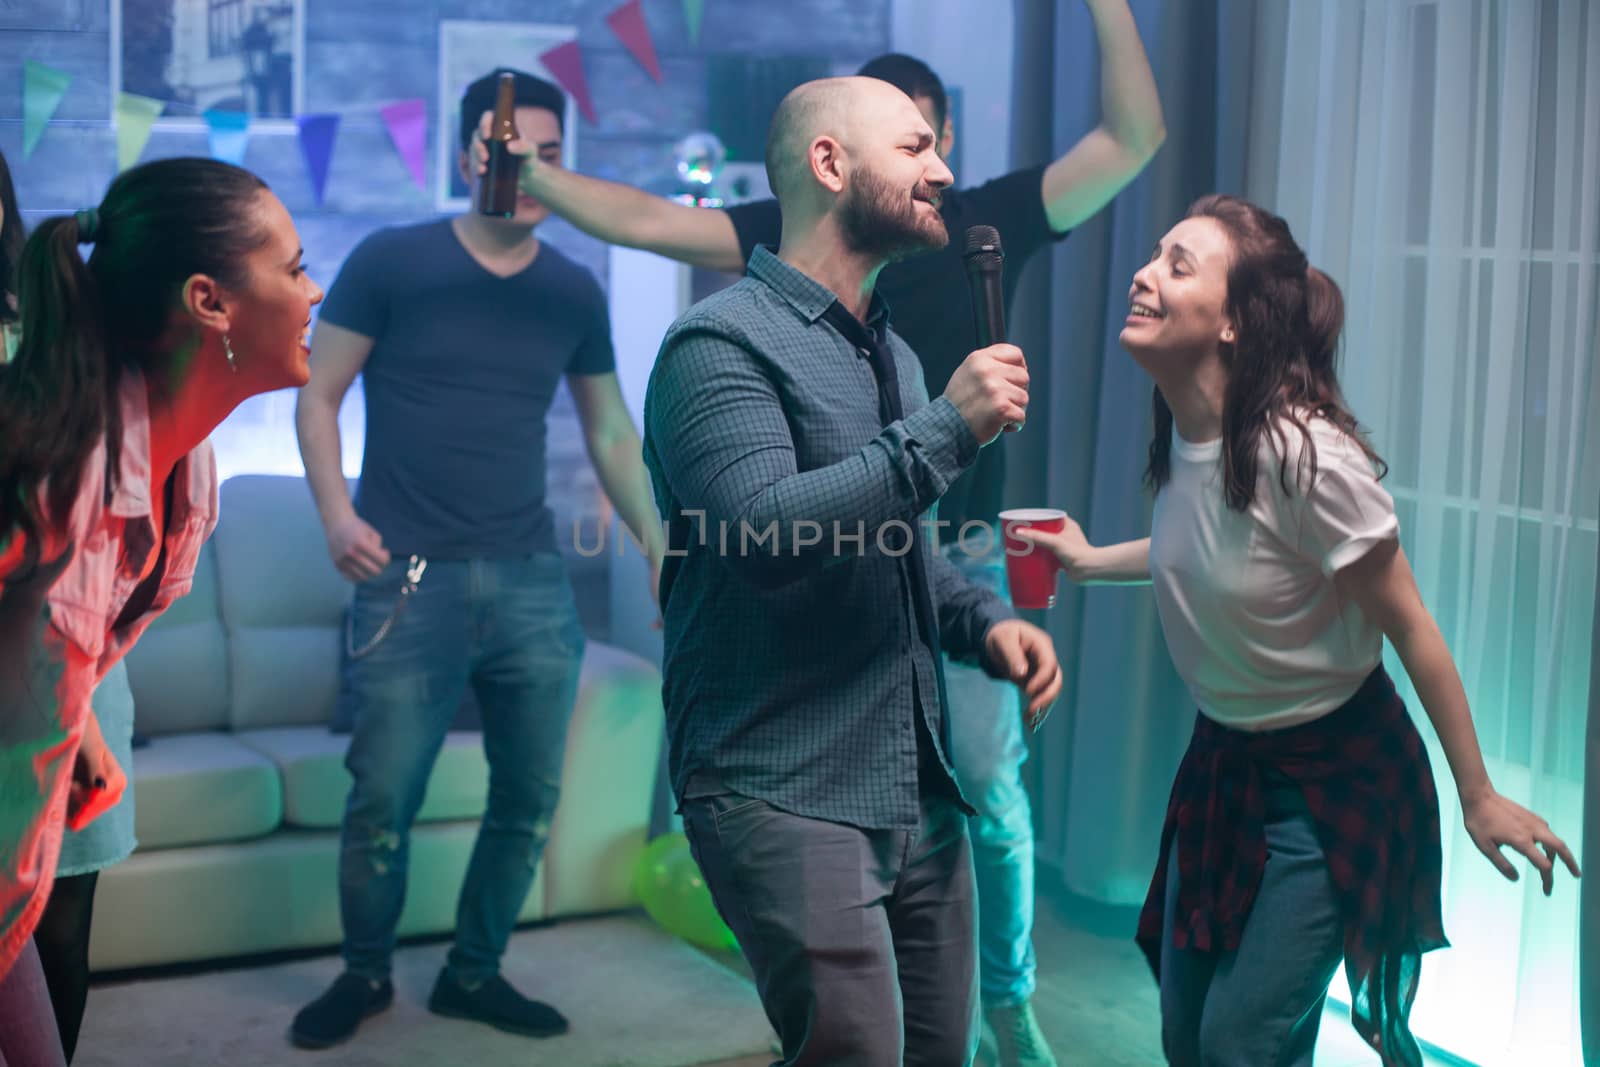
column 510, row 629
column 1262, row 1003
column 988, row 751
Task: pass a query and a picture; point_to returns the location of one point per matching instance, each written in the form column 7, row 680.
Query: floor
column 636, row 995
column 1096, row 1000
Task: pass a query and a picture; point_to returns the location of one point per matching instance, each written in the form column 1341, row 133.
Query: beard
column 878, row 220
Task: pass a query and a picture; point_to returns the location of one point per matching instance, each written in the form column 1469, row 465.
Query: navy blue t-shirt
column 463, row 368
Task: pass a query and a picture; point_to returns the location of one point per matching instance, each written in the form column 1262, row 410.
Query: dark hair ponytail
column 1324, row 323
column 84, row 324
column 54, row 395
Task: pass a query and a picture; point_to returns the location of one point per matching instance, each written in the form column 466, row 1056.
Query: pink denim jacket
column 51, row 659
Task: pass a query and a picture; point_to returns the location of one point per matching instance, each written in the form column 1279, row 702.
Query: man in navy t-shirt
column 462, row 330
column 929, row 300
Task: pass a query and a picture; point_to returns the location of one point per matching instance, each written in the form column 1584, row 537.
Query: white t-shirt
column 1253, row 620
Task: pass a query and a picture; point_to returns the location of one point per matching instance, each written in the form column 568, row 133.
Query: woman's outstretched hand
column 1493, row 822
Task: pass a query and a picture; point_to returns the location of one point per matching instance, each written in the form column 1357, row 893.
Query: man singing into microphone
column 794, row 455
column 927, row 293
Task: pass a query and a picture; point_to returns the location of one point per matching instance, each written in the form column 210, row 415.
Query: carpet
column 636, row 997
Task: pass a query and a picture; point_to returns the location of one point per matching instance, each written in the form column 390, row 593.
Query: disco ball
column 699, row 158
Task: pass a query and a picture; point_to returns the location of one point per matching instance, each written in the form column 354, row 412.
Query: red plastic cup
column 1030, row 568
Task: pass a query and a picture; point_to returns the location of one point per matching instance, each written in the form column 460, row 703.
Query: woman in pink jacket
column 193, row 299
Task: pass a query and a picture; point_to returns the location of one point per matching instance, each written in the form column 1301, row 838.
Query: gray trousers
column 863, row 942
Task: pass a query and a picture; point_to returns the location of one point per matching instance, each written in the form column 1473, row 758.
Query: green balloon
column 674, row 894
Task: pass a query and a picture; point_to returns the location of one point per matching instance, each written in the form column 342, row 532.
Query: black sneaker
column 496, row 1003
column 334, row 1016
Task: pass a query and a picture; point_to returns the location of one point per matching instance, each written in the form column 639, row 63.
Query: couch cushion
column 203, row 788
column 283, row 676
column 315, row 782
column 282, row 602
column 179, row 669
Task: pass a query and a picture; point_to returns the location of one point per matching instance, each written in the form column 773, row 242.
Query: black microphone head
column 983, row 241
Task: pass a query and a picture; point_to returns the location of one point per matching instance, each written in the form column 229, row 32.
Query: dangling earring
column 227, row 350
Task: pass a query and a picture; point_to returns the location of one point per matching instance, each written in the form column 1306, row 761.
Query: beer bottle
column 497, row 187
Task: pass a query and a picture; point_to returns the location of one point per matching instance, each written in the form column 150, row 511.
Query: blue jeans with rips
column 509, row 628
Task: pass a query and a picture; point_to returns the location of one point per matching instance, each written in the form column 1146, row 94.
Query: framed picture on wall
column 202, row 55
column 469, row 49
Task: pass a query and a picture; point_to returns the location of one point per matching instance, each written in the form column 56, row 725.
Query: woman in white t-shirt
column 1303, row 826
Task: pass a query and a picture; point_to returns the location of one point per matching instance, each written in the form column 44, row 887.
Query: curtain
column 1442, row 160
column 1589, row 908
column 1102, row 765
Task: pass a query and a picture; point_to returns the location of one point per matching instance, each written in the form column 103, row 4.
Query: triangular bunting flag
column 565, row 64
column 135, row 115
column 42, row 90
column 627, row 22
column 408, row 128
column 316, row 144
column 230, row 133
column 693, row 12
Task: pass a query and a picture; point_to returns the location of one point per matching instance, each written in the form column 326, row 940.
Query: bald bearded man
column 794, row 454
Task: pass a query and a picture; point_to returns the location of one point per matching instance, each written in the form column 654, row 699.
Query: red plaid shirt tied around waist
column 1368, row 786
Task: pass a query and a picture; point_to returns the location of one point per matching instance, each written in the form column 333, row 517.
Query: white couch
column 240, row 792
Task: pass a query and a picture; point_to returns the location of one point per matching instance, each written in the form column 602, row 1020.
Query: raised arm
column 1131, row 128
column 623, row 215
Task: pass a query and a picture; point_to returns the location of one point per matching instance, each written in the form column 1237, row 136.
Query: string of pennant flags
column 228, row 132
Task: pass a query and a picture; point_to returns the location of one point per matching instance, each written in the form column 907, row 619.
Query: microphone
column 985, row 261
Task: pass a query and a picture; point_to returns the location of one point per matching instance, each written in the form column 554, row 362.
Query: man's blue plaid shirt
column 794, row 666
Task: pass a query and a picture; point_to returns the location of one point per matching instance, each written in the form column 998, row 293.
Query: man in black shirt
column 928, row 297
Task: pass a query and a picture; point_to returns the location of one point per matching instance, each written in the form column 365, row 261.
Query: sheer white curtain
column 1441, row 160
